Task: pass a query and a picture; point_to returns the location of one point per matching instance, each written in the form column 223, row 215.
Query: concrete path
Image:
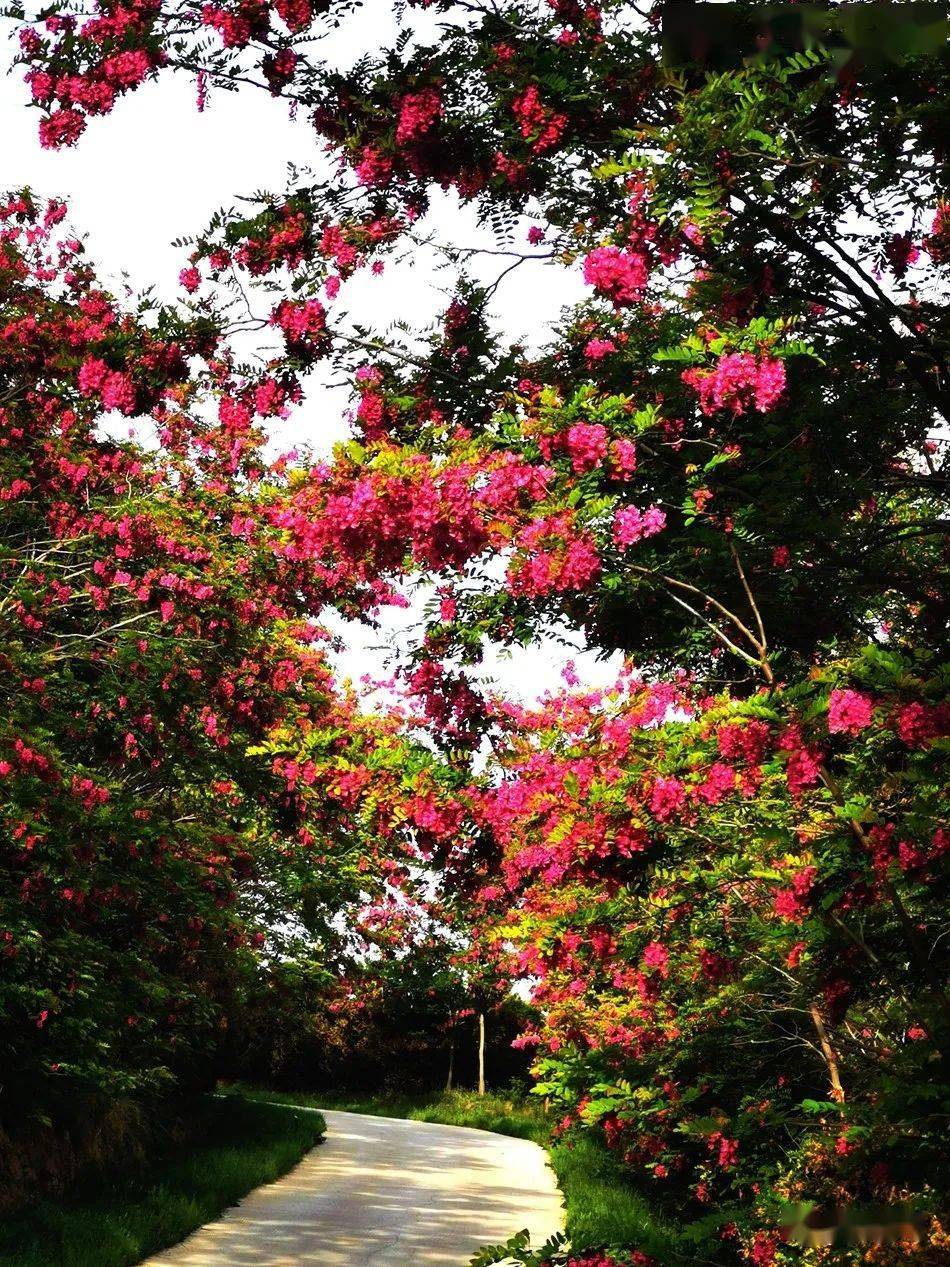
column 382, row 1192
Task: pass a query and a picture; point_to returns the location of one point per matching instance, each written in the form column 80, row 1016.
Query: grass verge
column 505, row 1114
column 118, row 1222
column 602, row 1207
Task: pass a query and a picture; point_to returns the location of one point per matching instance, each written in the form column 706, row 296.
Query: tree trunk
column 448, row 1080
column 831, row 1060
column 481, row 1053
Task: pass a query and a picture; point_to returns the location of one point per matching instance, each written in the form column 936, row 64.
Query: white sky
column 156, row 170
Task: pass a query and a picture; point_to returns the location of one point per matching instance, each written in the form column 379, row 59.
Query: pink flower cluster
column 620, row 276
column 743, row 741
column 418, row 114
column 623, row 456
column 374, row 168
column 937, row 243
column 239, row 25
column 764, row 1249
column 792, row 904
column 279, row 69
column 587, row 445
column 602, row 1258
column 886, row 849
column 597, row 349
column 919, row 724
column 719, row 783
column 95, row 89
column 295, row 14
column 804, row 762
column 62, row 127
column 739, row 381
column 371, row 413
column 632, row 525
column 283, row 243
column 115, row 389
column 541, row 125
column 726, row 1150
column 901, row 251
column 656, row 958
column 667, row 798
column 304, row 325
column 552, row 559
column 849, row 712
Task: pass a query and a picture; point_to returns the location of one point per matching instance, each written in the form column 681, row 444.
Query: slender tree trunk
column 831, row 1060
column 481, row 1053
column 448, row 1080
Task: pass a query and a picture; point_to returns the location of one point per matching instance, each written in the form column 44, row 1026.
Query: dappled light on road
column 385, row 1192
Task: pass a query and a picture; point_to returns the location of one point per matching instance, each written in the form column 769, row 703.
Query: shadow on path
column 383, row 1192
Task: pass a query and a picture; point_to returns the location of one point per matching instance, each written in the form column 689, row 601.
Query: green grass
column 118, row 1223
column 505, row 1114
column 602, row 1206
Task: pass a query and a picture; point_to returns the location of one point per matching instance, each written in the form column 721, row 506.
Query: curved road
column 383, row 1192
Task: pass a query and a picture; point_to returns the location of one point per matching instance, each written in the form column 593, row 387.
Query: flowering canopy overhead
column 762, row 372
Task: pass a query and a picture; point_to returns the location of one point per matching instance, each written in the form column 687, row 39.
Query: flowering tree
column 630, row 465
column 722, row 905
column 728, row 463
column 180, row 775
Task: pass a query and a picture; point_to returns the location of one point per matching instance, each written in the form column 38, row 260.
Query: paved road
column 381, row 1192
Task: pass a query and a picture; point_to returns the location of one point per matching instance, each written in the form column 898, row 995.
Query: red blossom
column 618, row 275
column 849, row 712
